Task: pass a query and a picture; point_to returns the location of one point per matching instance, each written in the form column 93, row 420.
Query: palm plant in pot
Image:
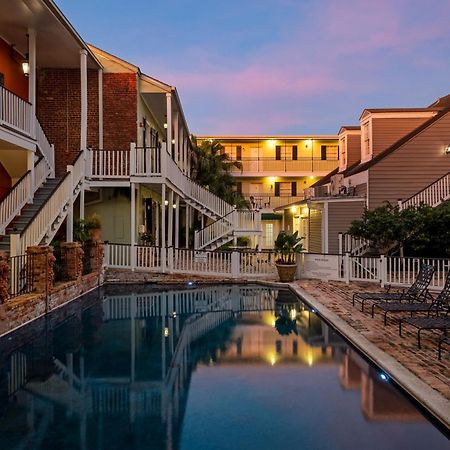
column 287, row 246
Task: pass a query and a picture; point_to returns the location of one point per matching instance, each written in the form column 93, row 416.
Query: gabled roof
column 397, row 110
column 398, row 144
column 349, row 128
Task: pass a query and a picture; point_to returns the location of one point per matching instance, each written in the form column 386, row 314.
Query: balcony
column 301, row 166
column 15, row 113
column 270, row 201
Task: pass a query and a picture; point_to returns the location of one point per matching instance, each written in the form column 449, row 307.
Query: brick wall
column 119, row 110
column 59, row 111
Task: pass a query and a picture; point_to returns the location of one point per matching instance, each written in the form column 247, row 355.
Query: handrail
column 15, row 95
column 426, row 187
column 212, row 223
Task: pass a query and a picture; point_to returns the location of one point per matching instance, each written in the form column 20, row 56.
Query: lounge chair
column 442, row 341
column 441, row 320
column 418, row 290
column 416, row 305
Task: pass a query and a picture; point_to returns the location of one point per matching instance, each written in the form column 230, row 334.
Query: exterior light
column 174, row 206
column 174, row 314
column 305, row 211
column 166, row 332
column 166, row 202
column 173, row 141
column 308, row 142
column 311, row 177
column 190, row 283
column 293, row 209
column 293, row 314
column 26, row 68
column 447, row 150
column 384, row 377
column 272, row 179
column 273, row 361
column 165, row 125
column 313, row 310
column 271, row 142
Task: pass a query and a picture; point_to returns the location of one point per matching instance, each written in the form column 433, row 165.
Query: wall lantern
column 447, row 150
column 165, row 125
column 26, row 67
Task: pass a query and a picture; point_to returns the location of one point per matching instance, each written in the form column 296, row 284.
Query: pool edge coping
column 434, row 402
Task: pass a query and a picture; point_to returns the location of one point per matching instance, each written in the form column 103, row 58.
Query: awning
column 271, row 216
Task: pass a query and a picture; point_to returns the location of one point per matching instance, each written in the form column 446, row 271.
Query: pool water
column 224, row 367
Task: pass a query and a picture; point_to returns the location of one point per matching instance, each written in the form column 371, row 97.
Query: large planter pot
column 95, row 234
column 286, row 272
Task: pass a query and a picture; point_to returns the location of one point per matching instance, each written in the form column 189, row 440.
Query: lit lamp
column 447, row 150
column 165, row 125
column 26, row 67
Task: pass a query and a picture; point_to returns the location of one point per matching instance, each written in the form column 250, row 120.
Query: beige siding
column 315, row 231
column 340, row 216
column 361, row 190
column 386, row 132
column 353, row 149
column 411, row 167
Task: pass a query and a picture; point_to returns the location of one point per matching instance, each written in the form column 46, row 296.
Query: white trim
column 398, row 115
column 100, row 108
column 84, row 99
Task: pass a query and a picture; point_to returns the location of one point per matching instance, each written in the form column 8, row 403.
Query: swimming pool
column 216, row 367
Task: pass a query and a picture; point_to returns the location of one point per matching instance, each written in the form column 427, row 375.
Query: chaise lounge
column 417, row 305
column 416, row 292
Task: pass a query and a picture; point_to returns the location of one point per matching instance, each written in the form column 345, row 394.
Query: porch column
column 82, row 201
column 157, row 229
column 69, row 219
column 32, row 79
column 100, row 108
column 186, row 154
column 163, row 215
column 84, row 119
column 177, row 221
column 187, row 225
column 177, row 139
column 169, row 124
column 133, row 214
column 181, row 147
column 170, row 218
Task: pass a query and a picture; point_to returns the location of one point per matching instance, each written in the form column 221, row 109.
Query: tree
column 390, row 229
column 212, row 169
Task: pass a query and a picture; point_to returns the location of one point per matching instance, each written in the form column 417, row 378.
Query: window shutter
column 323, row 152
column 277, row 188
column 239, row 152
column 294, row 153
column 278, row 152
column 294, row 189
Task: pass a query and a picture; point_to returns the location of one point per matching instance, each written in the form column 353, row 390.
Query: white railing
column 15, row 112
column 78, row 171
column 247, row 220
column 147, row 161
column 364, row 269
column 352, row 245
column 16, row 199
column 257, row 264
column 36, row 230
column 233, row 264
column 213, row 232
column 199, row 262
column 433, row 195
column 109, row 163
column 41, row 173
column 47, row 150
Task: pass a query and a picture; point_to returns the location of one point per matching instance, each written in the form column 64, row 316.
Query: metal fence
column 20, row 275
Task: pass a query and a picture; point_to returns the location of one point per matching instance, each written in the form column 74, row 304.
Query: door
column 253, row 163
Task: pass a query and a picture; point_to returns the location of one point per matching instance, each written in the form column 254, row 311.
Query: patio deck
column 424, row 363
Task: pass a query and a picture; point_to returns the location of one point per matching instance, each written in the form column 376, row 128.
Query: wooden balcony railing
column 15, row 112
column 308, row 165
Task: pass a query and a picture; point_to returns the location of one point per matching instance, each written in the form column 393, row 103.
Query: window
column 277, row 188
column 294, row 153
column 268, row 235
column 278, row 152
column 294, row 189
column 239, row 152
column 323, row 152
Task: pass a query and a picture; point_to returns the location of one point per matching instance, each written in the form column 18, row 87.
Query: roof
column 398, row 110
column 273, row 136
column 327, row 178
column 349, row 128
column 398, row 144
column 442, row 102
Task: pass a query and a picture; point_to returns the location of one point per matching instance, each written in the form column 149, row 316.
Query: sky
column 278, row 66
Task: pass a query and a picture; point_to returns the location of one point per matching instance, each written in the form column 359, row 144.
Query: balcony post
column 32, row 79
column 163, row 227
column 169, row 124
column 69, row 220
column 177, row 139
column 177, row 221
column 170, row 220
column 187, row 226
column 133, row 225
column 84, row 99
column 133, row 159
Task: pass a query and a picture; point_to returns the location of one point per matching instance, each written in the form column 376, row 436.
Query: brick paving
column 424, row 363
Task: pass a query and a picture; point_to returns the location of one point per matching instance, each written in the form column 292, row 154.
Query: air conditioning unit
column 337, row 183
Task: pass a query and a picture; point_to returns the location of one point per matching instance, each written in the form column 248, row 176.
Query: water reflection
column 118, row 374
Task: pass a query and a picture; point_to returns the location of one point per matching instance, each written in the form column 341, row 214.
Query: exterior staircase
column 433, row 195
column 29, row 212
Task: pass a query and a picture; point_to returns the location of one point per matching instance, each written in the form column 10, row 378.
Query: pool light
column 384, row 377
column 190, row 283
column 166, row 332
column 313, row 310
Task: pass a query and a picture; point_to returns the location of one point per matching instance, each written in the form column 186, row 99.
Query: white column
column 82, row 201
column 186, row 154
column 133, row 225
column 187, row 226
column 157, row 229
column 84, row 119
column 169, row 123
column 163, row 215
column 100, row 108
column 32, row 79
column 177, row 139
column 69, row 219
column 170, row 219
column 177, row 221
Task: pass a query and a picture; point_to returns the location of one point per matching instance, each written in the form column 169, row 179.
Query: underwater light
column 313, row 310
column 190, row 283
column 384, row 377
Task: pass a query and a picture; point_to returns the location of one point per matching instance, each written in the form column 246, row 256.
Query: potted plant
column 287, row 246
column 94, row 225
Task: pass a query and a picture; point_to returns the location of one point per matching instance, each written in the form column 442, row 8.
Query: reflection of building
column 276, row 171
column 379, row 400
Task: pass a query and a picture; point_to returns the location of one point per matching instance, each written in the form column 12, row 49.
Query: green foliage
column 287, row 245
column 212, row 169
column 80, row 231
column 419, row 230
column 94, row 222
